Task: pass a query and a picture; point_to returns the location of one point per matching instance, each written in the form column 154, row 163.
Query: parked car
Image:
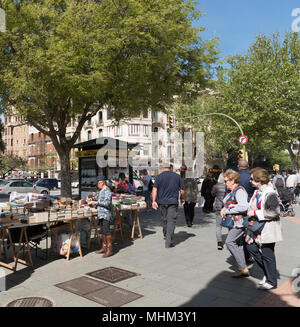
column 49, row 183
column 21, row 186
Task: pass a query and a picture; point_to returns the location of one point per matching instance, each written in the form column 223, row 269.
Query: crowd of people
column 246, row 202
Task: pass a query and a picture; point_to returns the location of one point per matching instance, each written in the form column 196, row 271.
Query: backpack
column 279, row 182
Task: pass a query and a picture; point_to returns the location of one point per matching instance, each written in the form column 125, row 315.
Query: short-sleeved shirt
column 146, row 178
column 168, row 185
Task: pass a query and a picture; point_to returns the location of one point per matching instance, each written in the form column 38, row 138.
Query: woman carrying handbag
column 235, row 207
column 264, row 206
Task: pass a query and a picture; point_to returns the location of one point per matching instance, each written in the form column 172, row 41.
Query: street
column 192, row 274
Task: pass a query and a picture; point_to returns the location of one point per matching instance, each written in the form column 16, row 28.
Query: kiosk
column 103, row 156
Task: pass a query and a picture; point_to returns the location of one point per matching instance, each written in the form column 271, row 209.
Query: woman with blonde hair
column 236, row 205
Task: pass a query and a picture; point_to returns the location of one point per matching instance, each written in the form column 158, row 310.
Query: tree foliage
column 260, row 90
column 64, row 60
column 9, row 162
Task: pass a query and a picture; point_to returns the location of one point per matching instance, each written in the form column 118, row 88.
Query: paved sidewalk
column 192, row 274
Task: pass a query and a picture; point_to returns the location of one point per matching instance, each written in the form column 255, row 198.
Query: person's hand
column 223, row 213
column 232, row 206
column 154, row 205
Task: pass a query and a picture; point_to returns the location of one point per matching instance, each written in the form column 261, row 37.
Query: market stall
column 61, row 217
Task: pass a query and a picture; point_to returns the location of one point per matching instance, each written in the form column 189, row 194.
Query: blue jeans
column 266, row 260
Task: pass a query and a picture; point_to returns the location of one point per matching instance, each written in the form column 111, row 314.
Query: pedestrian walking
column 235, row 204
column 297, row 189
column 191, row 196
column 278, row 182
column 291, row 183
column 243, row 170
column 264, row 206
column 165, row 195
column 206, row 189
column 147, row 187
column 218, row 192
column 103, row 201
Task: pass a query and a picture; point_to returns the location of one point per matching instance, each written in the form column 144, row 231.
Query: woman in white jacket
column 264, row 206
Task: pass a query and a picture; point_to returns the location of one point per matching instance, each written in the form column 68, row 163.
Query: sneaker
column 220, row 246
column 262, row 281
column 266, row 287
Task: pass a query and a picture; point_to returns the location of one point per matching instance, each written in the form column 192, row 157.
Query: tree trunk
column 65, row 173
column 293, row 157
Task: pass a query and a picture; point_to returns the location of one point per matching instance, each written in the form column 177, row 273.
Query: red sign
column 243, row 139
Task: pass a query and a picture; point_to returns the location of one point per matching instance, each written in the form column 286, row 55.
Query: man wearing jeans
column 165, row 198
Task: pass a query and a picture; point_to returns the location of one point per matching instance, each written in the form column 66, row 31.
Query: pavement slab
column 191, row 274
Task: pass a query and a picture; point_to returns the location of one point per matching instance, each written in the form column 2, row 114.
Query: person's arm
column 241, row 198
column 182, row 192
column 154, row 197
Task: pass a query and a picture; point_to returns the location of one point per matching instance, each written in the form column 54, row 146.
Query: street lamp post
column 221, row 114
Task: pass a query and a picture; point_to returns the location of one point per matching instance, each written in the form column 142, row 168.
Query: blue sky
column 238, row 22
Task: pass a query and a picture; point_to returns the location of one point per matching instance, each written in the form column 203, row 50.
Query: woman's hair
column 261, row 176
column 232, row 175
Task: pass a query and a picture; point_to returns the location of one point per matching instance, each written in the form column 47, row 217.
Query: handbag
column 228, row 221
column 254, row 225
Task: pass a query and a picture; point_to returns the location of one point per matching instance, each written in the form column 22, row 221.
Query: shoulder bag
column 254, row 225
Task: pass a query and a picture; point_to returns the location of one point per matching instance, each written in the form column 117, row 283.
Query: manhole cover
column 112, row 274
column 81, row 285
column 31, row 302
column 112, row 296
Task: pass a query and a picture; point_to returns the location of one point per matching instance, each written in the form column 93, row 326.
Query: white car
column 21, row 186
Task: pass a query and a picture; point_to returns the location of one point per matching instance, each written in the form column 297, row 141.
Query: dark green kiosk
column 102, row 156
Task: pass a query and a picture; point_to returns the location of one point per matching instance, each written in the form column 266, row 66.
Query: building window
column 108, row 114
column 145, row 114
column 155, row 116
column 100, row 116
column 119, row 131
column 110, row 131
column 134, row 129
column 145, row 130
column 89, row 135
column 100, row 133
column 89, row 122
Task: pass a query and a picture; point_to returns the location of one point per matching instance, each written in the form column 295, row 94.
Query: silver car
column 21, row 186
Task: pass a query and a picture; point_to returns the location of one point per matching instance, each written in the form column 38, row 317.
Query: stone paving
column 191, row 274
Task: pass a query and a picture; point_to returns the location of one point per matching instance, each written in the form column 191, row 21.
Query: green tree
column 9, row 162
column 261, row 91
column 63, row 60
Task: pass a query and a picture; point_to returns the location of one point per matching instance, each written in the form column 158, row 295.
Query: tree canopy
column 260, row 90
column 66, row 59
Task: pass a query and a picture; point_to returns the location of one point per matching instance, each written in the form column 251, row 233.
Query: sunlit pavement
column 191, row 274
